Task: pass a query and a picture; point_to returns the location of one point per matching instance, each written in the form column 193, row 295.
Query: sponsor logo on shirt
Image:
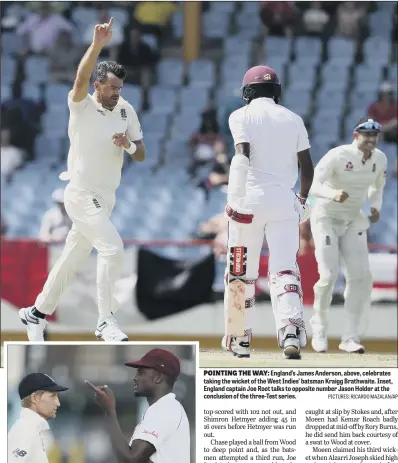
column 19, row 453
column 349, row 166
column 152, row 433
column 101, row 112
column 123, row 114
column 374, row 168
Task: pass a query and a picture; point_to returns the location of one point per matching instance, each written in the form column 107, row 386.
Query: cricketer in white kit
column 270, row 142
column 163, row 433
column 101, row 127
column 344, row 179
column 30, row 437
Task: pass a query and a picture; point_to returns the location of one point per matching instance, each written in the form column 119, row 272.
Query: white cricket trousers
column 341, row 241
column 92, row 227
column 275, row 217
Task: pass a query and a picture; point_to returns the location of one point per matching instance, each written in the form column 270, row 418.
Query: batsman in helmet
column 270, row 143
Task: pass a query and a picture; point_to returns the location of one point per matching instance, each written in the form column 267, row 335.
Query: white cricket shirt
column 342, row 169
column 276, row 135
column 165, row 425
column 94, row 162
column 29, row 438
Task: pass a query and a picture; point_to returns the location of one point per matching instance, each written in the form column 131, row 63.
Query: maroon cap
column 161, row 360
column 260, row 75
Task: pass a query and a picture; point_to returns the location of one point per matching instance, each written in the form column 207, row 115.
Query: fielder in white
column 30, row 437
column 270, row 143
column 101, row 127
column 344, row 178
column 163, row 433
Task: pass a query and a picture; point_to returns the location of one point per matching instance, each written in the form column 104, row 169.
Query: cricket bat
column 236, row 289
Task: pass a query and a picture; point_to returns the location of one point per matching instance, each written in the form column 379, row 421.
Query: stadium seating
column 322, row 82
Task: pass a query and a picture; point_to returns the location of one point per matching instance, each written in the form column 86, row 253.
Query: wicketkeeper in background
column 344, row 178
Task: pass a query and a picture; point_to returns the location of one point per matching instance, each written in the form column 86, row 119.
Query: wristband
column 132, row 148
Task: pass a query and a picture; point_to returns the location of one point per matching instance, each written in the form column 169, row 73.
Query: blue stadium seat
column 8, row 68
column 6, row 92
column 392, row 73
column 249, row 8
column 331, row 99
column 361, row 99
column 153, row 123
column 308, row 47
column 120, row 15
column 37, row 69
column 376, row 49
column 277, row 46
column 366, row 73
column 214, row 25
column 380, row 24
column 235, row 45
column 31, row 91
column 341, row 47
column 133, row 94
column 301, row 76
column 248, row 25
column 332, row 69
column 10, row 42
column 57, row 93
column 83, row 17
column 201, row 73
column 185, row 124
column 222, row 7
column 323, row 124
column 194, row 98
column 48, row 148
column 170, row 72
column 162, row 99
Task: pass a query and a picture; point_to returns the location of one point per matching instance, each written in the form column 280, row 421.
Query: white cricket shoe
column 35, row 326
column 352, row 346
column 239, row 346
column 109, row 330
column 319, row 340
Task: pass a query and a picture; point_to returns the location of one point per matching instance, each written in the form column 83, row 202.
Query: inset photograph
column 101, row 403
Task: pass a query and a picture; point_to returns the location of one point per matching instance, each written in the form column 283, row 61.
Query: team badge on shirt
column 349, row 166
column 123, row 114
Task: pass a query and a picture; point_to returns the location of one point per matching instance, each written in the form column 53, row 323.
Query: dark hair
column 102, row 69
column 266, row 90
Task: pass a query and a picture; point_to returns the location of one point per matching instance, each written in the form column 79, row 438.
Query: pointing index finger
column 94, row 388
column 110, row 24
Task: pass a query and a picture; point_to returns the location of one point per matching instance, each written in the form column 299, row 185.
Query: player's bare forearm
column 119, row 443
column 139, row 154
column 84, row 71
column 306, row 172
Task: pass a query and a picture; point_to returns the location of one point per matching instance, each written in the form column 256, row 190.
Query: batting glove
column 237, row 215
